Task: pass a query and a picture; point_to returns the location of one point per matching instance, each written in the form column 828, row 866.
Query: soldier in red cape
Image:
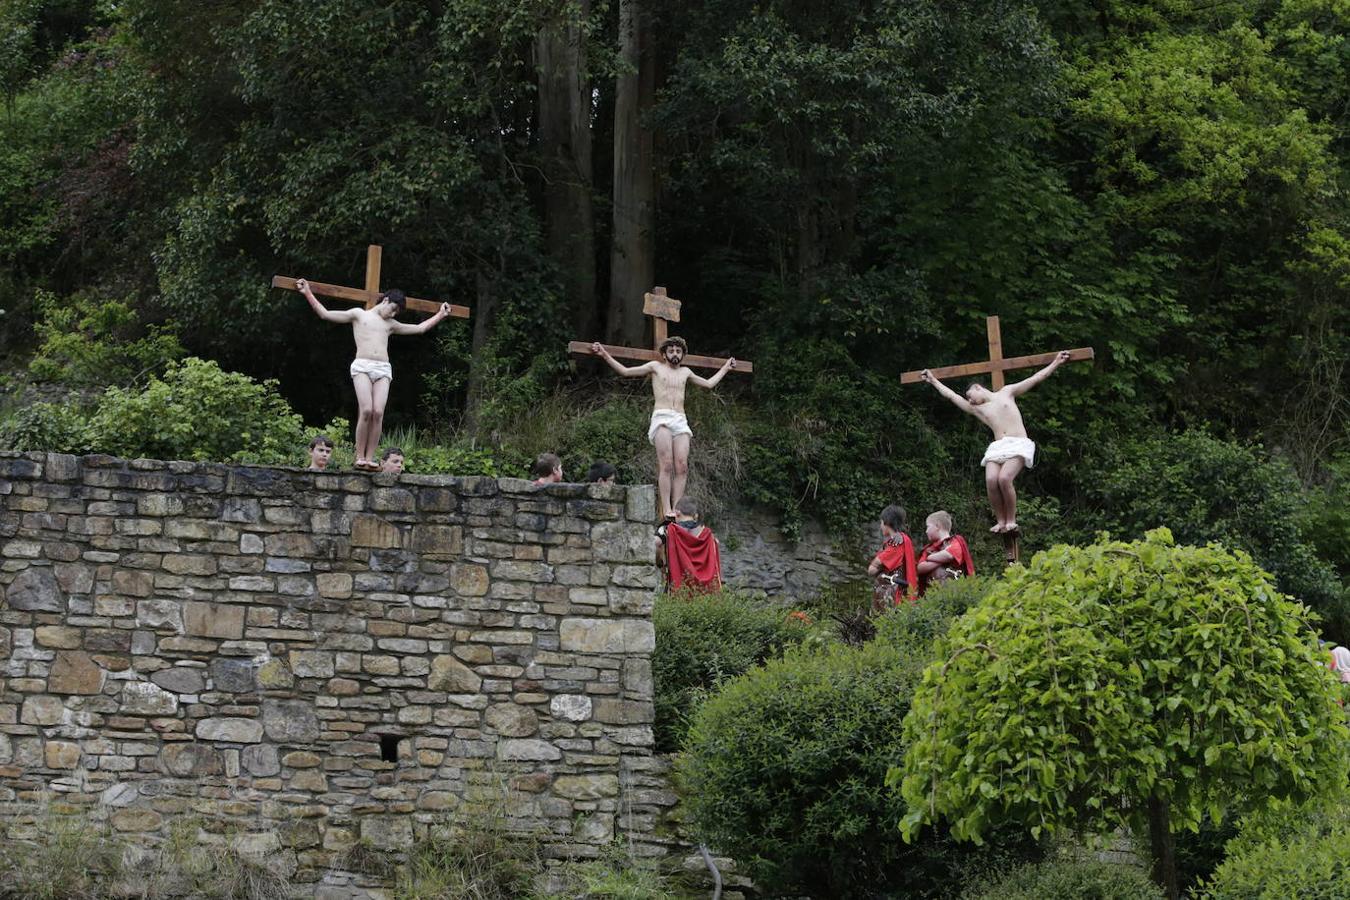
column 945, row 555
column 895, row 578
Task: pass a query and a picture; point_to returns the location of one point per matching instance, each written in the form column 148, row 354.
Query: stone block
column 136, row 821
column 60, row 637
column 438, row 540
column 180, row 680
column 260, row 760
column 233, row 675
column 191, row 760
column 527, row 749
column 42, row 709
column 158, row 613
column 572, row 707
column 61, row 755
column 290, row 721
column 189, row 564
column 469, row 580
column 311, row 664
column 622, row 542
column 450, row 675
column 372, row 531
column 335, row 585
column 133, row 583
column 35, row 589
column 617, row 636
column 392, row 500
column 623, row 712
column 74, row 578
column 387, row 832
column 142, row 698
column 511, row 720
column 75, row 672
column 586, row 787
column 290, row 544
column 230, row 729
column 215, row 620
column 274, row 675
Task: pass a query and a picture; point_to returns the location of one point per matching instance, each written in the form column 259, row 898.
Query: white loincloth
column 1006, row 448
column 668, row 418
column 374, row 369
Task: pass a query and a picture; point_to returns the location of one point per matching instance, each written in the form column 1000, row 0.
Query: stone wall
column 302, row 661
column 757, row 556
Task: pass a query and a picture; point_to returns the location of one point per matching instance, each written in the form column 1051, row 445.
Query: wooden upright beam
column 995, row 351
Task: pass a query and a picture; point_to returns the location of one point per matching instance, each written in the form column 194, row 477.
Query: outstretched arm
column 421, row 327
column 947, row 392
column 1027, row 384
column 328, row 315
column 626, row 371
column 712, row 382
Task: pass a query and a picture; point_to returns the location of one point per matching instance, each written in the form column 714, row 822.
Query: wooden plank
column 353, row 295
column 659, row 304
column 1005, row 365
column 581, row 348
column 995, row 350
column 373, row 254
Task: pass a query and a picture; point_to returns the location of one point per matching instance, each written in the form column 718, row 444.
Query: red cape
column 900, row 555
column 961, row 558
column 692, row 559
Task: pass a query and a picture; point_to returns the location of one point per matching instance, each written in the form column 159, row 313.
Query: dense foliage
column 1143, row 684
column 784, row 768
column 1069, row 880
column 838, row 191
column 704, row 640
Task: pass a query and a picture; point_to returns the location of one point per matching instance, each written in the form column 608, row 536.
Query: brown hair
column 675, row 341
column 544, row 465
column 688, row 506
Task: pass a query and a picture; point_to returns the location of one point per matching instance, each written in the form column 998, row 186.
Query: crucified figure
column 669, row 431
column 1011, row 450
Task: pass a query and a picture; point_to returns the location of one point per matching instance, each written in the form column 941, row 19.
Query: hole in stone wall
column 389, row 747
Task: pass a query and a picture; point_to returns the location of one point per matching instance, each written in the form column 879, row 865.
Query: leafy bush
column 1100, row 682
column 917, row 625
column 704, row 640
column 62, row 427
column 87, row 342
column 1311, row 865
column 784, row 769
column 1204, row 489
column 199, row 412
column 1069, row 880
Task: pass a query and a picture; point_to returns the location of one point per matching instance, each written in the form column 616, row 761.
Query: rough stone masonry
column 301, row 661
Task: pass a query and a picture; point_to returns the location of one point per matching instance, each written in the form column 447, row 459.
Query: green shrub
column 1098, row 682
column 87, row 342
column 199, row 412
column 1068, row 880
column 61, row 427
column 917, row 625
column 702, row 640
column 784, row 769
column 1313, row 865
column 1204, row 489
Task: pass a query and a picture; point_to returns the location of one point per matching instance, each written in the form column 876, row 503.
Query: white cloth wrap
column 668, row 418
column 1006, row 448
column 374, row 369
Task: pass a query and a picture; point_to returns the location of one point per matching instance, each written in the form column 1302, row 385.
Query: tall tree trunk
column 565, row 144
column 1164, row 850
column 633, row 252
column 484, row 312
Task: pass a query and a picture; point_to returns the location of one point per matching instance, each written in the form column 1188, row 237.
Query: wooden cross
column 995, row 368
column 997, row 365
column 371, row 295
column 662, row 308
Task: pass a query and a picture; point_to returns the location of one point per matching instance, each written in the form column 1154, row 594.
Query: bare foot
column 1011, row 526
column 997, row 529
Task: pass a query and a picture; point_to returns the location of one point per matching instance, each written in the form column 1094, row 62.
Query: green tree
column 1143, row 684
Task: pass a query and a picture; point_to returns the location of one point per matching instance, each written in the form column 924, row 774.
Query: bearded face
column 673, row 354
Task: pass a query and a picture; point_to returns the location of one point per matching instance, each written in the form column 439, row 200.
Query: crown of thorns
column 673, row 342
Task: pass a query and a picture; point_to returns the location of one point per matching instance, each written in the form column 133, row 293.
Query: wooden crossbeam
column 997, row 363
column 662, row 308
column 371, row 294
